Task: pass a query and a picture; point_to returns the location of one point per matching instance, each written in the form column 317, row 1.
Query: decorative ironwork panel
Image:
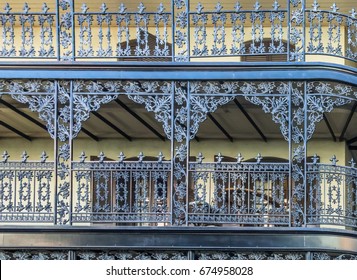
column 33, row 255
column 238, row 20
column 122, row 191
column 124, row 34
column 180, row 137
column 26, row 190
column 238, row 255
column 323, row 97
column 335, row 27
column 333, row 256
column 240, row 193
column 351, row 23
column 181, row 30
column 296, row 10
column 8, row 33
column 65, row 22
column 242, row 44
column 24, row 45
column 68, row 33
column 273, row 97
column 332, row 194
column 131, row 255
column 157, row 97
column 39, row 95
column 317, row 20
column 169, row 255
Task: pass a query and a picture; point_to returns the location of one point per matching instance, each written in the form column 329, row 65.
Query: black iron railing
column 140, row 192
column 177, row 31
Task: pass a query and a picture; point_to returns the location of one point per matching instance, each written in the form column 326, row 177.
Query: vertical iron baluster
column 123, row 22
column 335, row 21
column 315, row 18
column 351, row 24
column 105, row 47
column 238, row 18
column 277, row 18
column 257, row 19
column 46, row 22
column 142, row 34
column 7, row 21
column 65, row 15
column 296, row 10
column 85, row 21
column 219, row 20
column 181, row 26
column 199, row 20
column 161, row 18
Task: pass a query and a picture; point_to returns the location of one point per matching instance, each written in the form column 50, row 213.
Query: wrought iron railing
column 177, row 31
column 140, row 192
column 244, row 193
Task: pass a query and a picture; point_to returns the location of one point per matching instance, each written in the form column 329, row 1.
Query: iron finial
column 82, row 157
column 5, row 156
column 200, row 157
column 219, row 158
column 160, row 157
column 121, row 157
column 44, row 157
column 24, row 157
column 259, row 158
column 101, row 157
column 239, row 158
column 315, row 159
column 334, row 160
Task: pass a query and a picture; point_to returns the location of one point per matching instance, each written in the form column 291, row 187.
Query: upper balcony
column 175, row 31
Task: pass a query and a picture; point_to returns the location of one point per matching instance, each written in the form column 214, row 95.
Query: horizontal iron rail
column 204, row 71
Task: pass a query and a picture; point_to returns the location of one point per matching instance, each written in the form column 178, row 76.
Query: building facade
column 178, row 130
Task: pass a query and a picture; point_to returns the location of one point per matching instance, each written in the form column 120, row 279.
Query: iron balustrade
column 331, row 195
column 176, row 31
column 139, row 193
column 25, row 191
column 239, row 193
column 122, row 192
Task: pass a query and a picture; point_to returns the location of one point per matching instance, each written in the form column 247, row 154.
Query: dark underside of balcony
column 174, row 238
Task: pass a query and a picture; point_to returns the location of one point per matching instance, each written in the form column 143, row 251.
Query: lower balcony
column 140, row 193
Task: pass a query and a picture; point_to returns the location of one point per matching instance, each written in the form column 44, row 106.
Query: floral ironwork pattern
column 33, row 255
column 122, row 191
column 131, row 255
column 216, row 255
column 141, row 32
column 297, row 30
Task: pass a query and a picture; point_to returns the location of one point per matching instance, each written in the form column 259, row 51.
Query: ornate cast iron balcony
column 139, row 192
column 177, row 31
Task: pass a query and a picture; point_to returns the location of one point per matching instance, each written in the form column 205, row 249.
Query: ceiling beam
column 9, row 127
column 27, row 117
column 329, row 127
column 137, row 117
column 110, row 124
column 39, row 124
column 352, row 140
column 348, row 121
column 245, row 113
column 90, row 134
column 220, row 127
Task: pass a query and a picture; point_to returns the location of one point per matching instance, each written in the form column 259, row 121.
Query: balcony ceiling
column 230, row 117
